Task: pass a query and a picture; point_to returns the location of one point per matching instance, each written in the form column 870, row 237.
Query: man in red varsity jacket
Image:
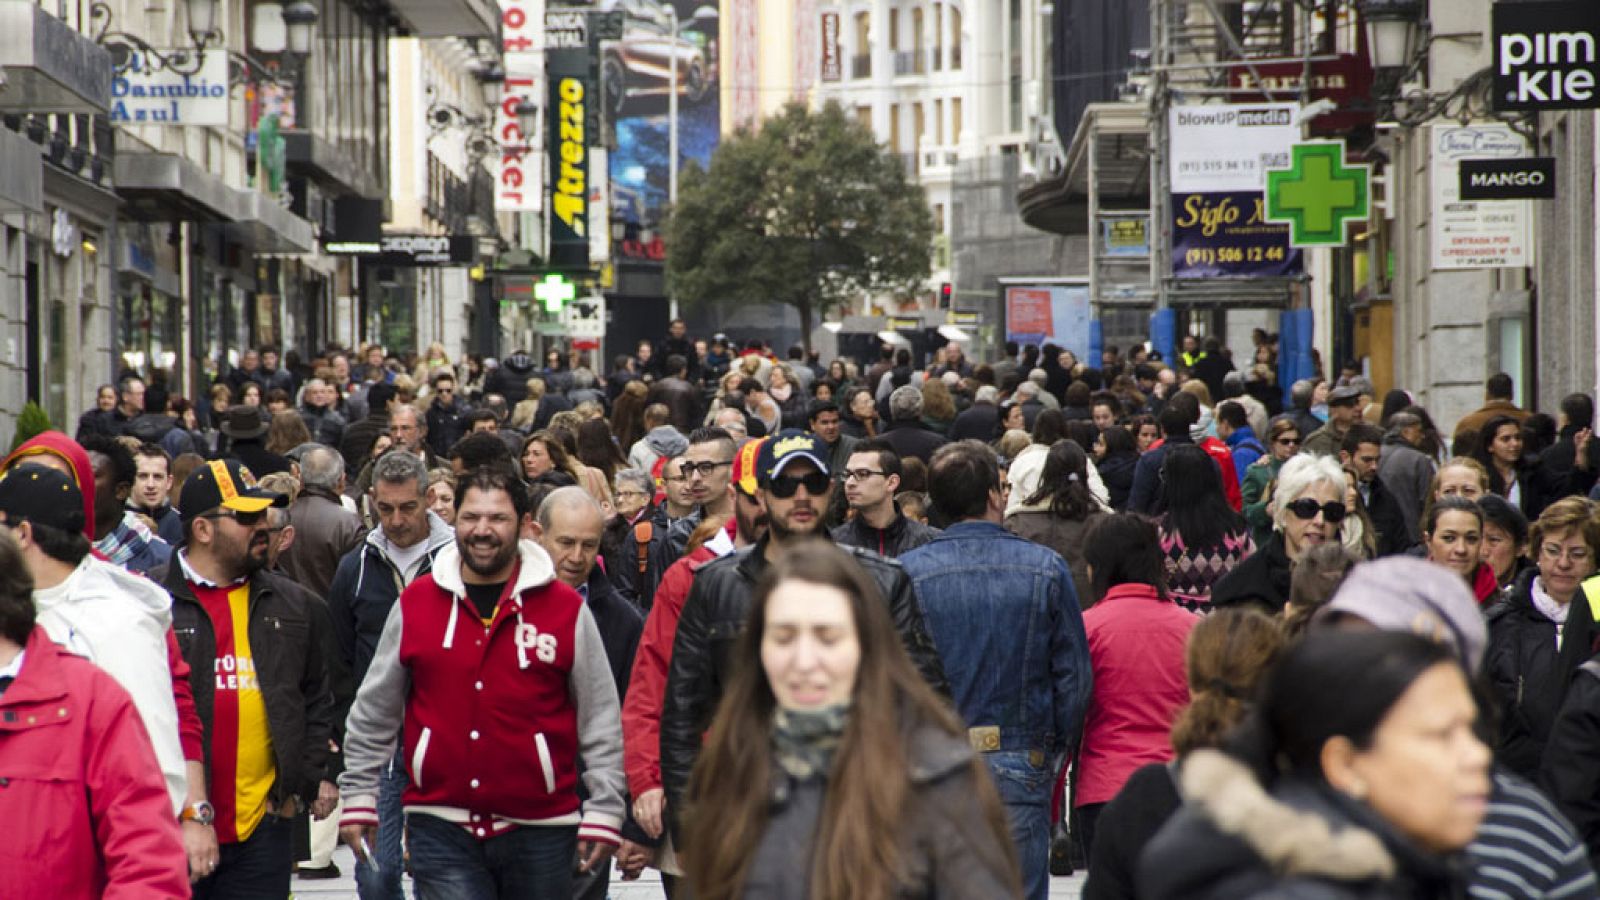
column 493, row 674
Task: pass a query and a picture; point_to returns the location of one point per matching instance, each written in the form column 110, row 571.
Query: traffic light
column 555, row 291
column 946, row 295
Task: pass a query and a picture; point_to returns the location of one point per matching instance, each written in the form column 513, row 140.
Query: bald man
column 568, row 527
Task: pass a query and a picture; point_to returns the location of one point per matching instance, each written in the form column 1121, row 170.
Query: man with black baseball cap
column 793, row 486
column 260, row 682
column 94, row 609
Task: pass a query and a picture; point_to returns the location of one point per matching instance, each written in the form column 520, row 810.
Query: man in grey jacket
column 1406, row 471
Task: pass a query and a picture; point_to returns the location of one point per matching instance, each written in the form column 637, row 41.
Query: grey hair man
column 908, row 435
column 325, row 529
column 368, row 581
column 1405, row 470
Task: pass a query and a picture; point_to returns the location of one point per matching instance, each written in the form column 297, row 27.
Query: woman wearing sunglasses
column 1307, row 509
column 1542, row 630
column 1283, row 441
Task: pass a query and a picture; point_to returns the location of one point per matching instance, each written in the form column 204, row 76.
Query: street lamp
column 129, row 49
column 300, row 20
column 1392, row 29
column 527, row 121
column 202, row 19
column 491, row 80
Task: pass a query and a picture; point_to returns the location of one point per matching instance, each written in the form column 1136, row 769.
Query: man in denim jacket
column 1006, row 622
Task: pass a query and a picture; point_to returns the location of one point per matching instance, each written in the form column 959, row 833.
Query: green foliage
column 30, row 424
column 808, row 210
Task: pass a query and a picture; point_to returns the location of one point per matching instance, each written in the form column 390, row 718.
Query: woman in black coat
column 1116, row 456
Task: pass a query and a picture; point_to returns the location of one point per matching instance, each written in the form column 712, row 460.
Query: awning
column 50, row 67
column 268, row 227
column 21, row 174
column 310, row 155
column 165, row 187
column 1113, row 139
column 450, row 18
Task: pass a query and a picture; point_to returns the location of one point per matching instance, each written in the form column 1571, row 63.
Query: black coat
column 1116, row 470
column 1145, row 803
column 980, row 422
column 713, row 616
column 1528, row 675
column 902, row 535
column 1570, row 771
column 1383, row 508
column 289, row 662
column 1262, row 579
column 913, row 439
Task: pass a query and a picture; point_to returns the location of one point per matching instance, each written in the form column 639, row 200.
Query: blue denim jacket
column 1005, row 619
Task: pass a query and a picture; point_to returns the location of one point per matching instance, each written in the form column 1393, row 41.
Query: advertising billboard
column 636, row 74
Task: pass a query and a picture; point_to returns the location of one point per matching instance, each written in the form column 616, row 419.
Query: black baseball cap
column 784, row 448
column 224, row 484
column 42, row 495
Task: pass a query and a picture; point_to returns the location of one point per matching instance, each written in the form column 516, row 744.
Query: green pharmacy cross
column 555, row 292
column 1318, row 194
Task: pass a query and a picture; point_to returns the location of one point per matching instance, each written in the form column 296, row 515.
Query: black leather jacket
column 713, row 616
column 902, row 535
column 288, row 655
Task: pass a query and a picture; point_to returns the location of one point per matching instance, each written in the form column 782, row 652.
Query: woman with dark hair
column 1059, row 511
column 1027, row 467
column 1202, row 537
column 1115, row 458
column 1505, row 539
column 286, row 431
column 1227, row 656
column 1283, row 441
column 1359, row 774
column 1499, row 450
column 1083, row 433
column 627, row 413
column 1145, row 430
column 545, row 461
column 1452, row 536
column 858, row 415
column 831, row 769
column 1393, row 402
column 598, row 450
column 1136, row 636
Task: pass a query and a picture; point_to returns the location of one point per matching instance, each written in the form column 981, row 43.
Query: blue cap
column 787, row 446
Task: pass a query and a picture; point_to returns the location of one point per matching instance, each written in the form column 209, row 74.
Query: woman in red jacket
column 85, row 808
column 1136, row 643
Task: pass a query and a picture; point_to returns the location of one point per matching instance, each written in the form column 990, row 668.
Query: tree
column 30, row 424
column 808, row 210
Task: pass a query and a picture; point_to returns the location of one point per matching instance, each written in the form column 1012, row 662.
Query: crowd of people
column 786, row 629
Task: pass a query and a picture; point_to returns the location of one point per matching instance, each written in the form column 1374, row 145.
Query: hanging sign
column 1546, row 55
column 1476, row 234
column 1528, row 178
column 1318, row 194
column 568, row 136
column 144, row 95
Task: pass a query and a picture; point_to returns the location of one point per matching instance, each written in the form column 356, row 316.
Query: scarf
column 1549, row 608
column 804, row 741
column 125, row 541
column 781, row 394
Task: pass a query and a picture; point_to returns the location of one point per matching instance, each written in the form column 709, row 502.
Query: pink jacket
column 1136, row 648
column 86, row 812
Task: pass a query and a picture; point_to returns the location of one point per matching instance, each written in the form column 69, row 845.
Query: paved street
column 647, row 888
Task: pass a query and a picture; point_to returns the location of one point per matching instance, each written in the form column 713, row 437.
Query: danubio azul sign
column 140, row 96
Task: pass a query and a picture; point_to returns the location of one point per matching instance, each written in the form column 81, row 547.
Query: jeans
column 1025, row 790
column 384, row 884
column 254, row 869
column 532, row 863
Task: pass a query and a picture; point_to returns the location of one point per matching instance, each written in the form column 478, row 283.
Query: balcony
column 861, row 65
column 936, row 59
column 909, row 62
column 450, row 18
column 955, row 58
column 49, row 67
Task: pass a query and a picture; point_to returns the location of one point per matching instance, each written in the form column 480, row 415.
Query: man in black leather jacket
column 794, row 487
column 871, row 479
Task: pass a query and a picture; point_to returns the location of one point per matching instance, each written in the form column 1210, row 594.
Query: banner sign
column 1346, row 80
column 1476, row 234
column 145, row 95
column 1546, row 55
column 566, row 28
column 568, row 135
column 832, row 64
column 1054, row 313
column 1226, row 235
column 410, row 251
column 1219, row 157
column 1508, row 179
column 518, row 183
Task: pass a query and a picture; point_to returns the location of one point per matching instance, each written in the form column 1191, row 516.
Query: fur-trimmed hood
column 1233, row 839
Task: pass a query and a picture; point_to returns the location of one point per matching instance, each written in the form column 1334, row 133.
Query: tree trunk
column 804, row 305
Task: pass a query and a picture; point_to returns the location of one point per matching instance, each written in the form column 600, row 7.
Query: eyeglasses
column 784, row 486
column 1578, row 555
column 1288, row 442
column 1307, row 508
column 247, row 519
column 858, row 474
column 620, row 494
column 703, row 469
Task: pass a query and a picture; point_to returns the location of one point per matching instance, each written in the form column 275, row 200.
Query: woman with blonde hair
column 432, row 361
column 938, row 407
column 526, row 412
column 831, row 769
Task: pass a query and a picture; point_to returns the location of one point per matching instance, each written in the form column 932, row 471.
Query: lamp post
column 300, row 21
column 1392, row 28
column 527, row 122
column 672, row 128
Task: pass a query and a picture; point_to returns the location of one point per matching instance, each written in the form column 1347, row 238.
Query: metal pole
column 672, row 129
column 1160, row 216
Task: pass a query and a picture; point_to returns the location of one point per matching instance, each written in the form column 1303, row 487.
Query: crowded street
column 753, row 450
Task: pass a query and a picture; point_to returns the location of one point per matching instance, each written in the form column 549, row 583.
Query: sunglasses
column 1289, row 442
column 247, row 519
column 784, row 486
column 1307, row 508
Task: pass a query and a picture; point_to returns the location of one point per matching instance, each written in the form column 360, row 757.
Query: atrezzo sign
column 1546, row 55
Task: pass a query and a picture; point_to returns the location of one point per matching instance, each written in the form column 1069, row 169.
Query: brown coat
column 324, row 531
column 1475, row 420
column 1064, row 536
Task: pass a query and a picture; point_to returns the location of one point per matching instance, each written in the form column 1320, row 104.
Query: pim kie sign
column 1345, row 80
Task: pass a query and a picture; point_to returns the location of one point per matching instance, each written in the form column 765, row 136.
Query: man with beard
column 489, row 812
column 641, row 706
column 259, row 680
column 794, row 486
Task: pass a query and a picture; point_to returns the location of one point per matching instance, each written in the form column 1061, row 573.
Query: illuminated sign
column 569, row 168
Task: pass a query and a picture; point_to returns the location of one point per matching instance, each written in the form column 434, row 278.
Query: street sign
column 554, row 292
column 1318, row 194
column 1546, row 55
column 1528, row 178
column 585, row 317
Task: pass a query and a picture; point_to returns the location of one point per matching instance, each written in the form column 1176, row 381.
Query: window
column 1014, row 79
column 894, row 128
column 894, row 29
column 861, row 63
column 955, row 120
column 919, row 63
column 864, row 116
column 918, row 126
column 938, row 122
column 955, row 38
column 936, row 54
